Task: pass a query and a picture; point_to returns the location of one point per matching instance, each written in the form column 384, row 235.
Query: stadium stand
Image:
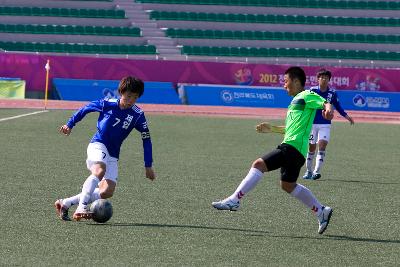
column 322, row 32
column 88, row 26
column 348, row 31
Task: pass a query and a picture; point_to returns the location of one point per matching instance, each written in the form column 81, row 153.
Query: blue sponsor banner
column 237, row 96
column 274, row 97
column 90, row 90
column 369, row 101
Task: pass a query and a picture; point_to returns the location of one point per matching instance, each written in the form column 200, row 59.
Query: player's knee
column 260, row 165
column 98, row 169
column 288, row 187
column 106, row 194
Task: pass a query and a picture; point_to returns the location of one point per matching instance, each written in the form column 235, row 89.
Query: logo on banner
column 109, row 93
column 227, row 96
column 243, row 77
column 359, row 101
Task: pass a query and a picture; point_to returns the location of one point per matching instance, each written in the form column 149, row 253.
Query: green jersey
column 300, row 118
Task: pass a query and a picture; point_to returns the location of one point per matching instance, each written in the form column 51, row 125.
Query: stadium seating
column 333, row 29
column 70, row 29
column 78, row 48
column 289, row 52
column 289, row 36
column 281, row 19
column 340, row 4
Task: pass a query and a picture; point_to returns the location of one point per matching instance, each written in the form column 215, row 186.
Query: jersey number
column 116, row 121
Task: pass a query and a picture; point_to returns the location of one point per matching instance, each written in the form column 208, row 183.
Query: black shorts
column 288, row 158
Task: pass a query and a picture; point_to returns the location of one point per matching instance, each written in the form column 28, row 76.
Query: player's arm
column 327, row 111
column 141, row 126
column 338, row 107
column 79, row 115
column 266, row 127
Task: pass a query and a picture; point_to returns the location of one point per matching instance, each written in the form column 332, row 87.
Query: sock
column 69, row 202
column 87, row 190
column 319, row 161
column 247, row 184
column 309, row 161
column 95, row 196
column 303, row 194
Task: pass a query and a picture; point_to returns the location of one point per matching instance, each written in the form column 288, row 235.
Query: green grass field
column 170, row 222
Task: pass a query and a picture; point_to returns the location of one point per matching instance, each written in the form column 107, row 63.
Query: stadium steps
column 166, row 46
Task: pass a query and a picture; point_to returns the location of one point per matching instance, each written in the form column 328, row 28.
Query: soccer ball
column 102, row 210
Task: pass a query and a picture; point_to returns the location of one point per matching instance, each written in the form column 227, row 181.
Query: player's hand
column 264, row 127
column 327, row 114
column 150, row 174
column 65, row 130
column 350, row 119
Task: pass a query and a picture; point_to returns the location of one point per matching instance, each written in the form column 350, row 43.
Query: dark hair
column 297, row 73
column 324, row 72
column 131, row 84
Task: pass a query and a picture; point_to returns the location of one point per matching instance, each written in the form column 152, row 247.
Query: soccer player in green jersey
column 290, row 155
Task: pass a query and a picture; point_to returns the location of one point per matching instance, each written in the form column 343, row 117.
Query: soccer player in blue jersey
column 117, row 118
column 321, row 129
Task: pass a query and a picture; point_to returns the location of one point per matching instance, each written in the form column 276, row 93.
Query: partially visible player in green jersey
column 290, row 155
column 300, row 118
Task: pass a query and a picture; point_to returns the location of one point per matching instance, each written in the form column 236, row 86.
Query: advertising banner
column 31, row 69
column 89, row 90
column 270, row 97
column 236, row 96
column 12, row 88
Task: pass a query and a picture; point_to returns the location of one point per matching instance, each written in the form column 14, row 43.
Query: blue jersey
column 330, row 97
column 114, row 125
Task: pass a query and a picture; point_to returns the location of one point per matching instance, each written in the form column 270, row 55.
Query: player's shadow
column 361, row 239
column 156, row 225
column 254, row 233
column 356, row 181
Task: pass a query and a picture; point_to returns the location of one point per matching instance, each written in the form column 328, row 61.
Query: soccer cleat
column 82, row 214
column 61, row 210
column 316, row 176
column 324, row 218
column 226, row 204
column 307, row 175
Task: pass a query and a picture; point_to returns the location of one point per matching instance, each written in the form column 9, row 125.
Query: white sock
column 303, row 194
column 68, row 202
column 247, row 184
column 309, row 161
column 87, row 190
column 319, row 161
column 95, row 196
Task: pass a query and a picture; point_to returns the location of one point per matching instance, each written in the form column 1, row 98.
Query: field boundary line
column 22, row 115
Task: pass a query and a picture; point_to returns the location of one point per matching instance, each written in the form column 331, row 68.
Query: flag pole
column 47, row 67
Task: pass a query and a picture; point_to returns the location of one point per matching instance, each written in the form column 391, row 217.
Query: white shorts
column 320, row 132
column 98, row 152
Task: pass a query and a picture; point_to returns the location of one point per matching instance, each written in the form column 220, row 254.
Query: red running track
column 219, row 111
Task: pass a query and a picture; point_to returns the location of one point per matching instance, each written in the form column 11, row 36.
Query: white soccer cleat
column 83, row 213
column 324, row 218
column 61, row 210
column 226, row 204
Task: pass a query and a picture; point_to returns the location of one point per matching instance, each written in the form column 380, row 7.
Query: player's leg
column 289, row 173
column 323, row 139
column 254, row 175
column 109, row 182
column 312, row 146
column 96, row 163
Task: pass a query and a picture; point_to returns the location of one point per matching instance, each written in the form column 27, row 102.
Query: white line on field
column 22, row 115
